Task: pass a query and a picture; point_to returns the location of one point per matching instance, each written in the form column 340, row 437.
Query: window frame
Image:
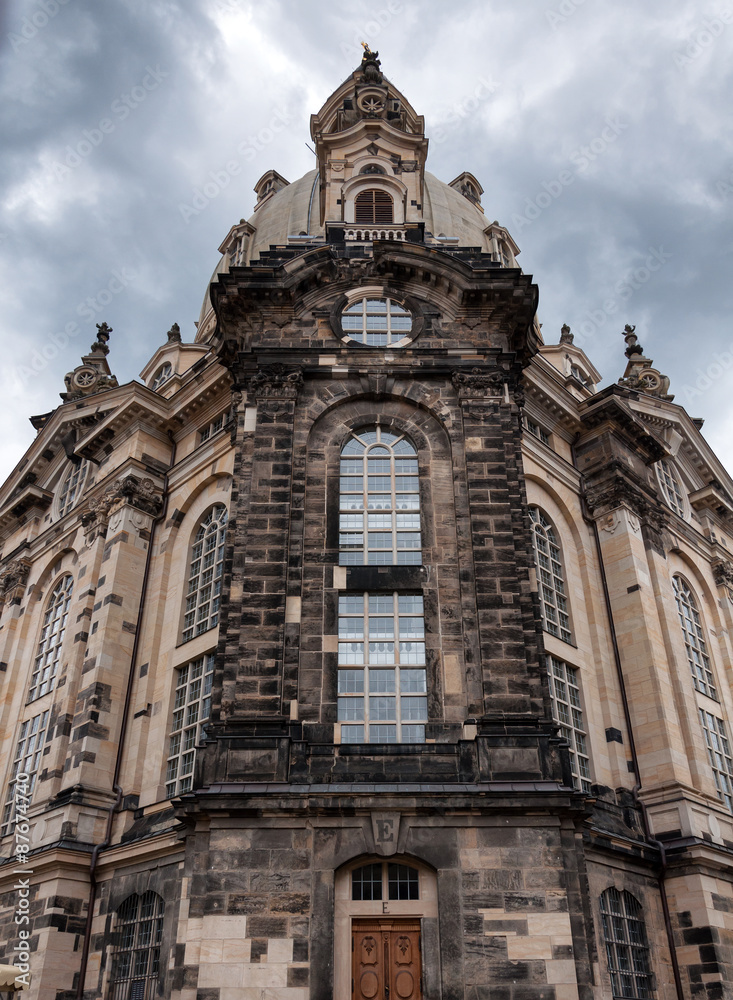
column 537, row 430
column 576, row 734
column 561, row 609
column 121, row 987
column 38, row 738
column 190, row 731
column 209, row 430
column 394, row 309
column 192, row 600
column 162, row 376
column 637, row 959
column 403, row 688
column 75, row 479
column 388, row 868
column 361, row 500
column 43, row 674
column 360, row 204
column 672, row 490
column 720, row 756
column 695, row 641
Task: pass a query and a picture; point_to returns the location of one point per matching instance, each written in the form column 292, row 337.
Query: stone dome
column 293, row 211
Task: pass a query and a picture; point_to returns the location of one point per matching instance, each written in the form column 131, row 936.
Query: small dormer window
column 374, row 208
column 580, row 375
column 161, row 376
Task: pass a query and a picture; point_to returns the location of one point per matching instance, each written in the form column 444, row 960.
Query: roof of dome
column 293, row 211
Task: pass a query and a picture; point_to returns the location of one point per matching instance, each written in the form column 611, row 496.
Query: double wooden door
column 386, row 959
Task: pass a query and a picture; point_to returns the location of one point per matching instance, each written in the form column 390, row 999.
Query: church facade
column 366, row 649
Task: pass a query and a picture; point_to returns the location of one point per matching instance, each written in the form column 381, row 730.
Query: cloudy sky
column 599, row 129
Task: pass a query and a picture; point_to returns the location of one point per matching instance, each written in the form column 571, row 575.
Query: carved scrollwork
column 618, row 492
column 276, row 381
column 139, row 493
column 723, row 573
column 13, row 579
column 479, row 383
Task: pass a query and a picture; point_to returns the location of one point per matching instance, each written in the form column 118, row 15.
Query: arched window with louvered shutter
column 373, row 207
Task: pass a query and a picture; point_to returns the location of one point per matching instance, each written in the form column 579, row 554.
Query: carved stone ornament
column 478, row 383
column 139, row 493
column 723, row 574
column 13, row 579
column 619, row 492
column 93, row 374
column 276, row 381
column 639, row 374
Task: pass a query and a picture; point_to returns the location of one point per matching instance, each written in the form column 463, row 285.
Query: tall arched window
column 553, row 601
column 627, row 950
column 373, row 207
column 136, row 954
column 671, row 489
column 48, row 655
column 204, row 577
column 694, row 636
column 379, row 519
column 72, row 487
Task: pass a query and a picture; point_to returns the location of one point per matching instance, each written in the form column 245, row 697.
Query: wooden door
column 386, row 960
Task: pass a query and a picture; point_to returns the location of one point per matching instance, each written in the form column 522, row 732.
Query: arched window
column 379, row 521
column 136, row 954
column 73, row 485
column 48, row 655
column 694, row 636
column 204, row 577
column 162, row 375
column 373, row 207
column 553, row 602
column 670, row 486
column 627, row 950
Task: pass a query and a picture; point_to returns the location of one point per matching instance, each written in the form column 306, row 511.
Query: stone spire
column 93, row 374
column 639, row 374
